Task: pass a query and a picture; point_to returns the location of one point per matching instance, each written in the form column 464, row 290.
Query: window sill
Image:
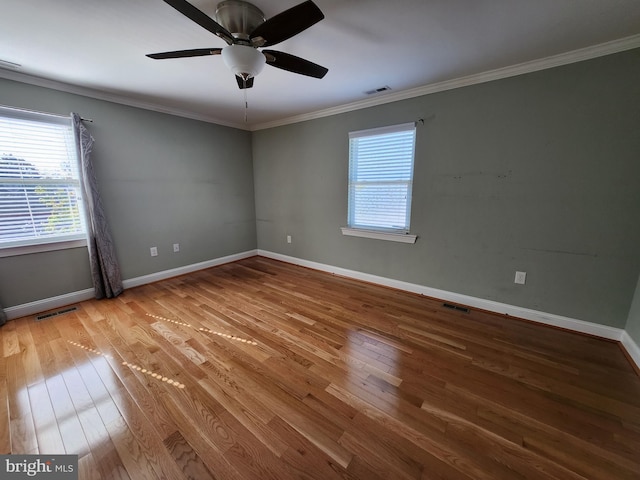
column 42, row 247
column 378, row 235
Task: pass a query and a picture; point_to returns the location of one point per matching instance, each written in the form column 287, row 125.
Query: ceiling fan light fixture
column 243, row 61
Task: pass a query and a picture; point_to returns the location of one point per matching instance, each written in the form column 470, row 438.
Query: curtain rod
column 45, row 113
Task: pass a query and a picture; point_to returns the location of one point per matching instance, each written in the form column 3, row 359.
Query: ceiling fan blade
column 294, row 64
column 286, row 24
column 195, row 52
column 202, row 19
column 242, row 84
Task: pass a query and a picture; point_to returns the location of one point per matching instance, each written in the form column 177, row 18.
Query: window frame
column 376, row 231
column 54, row 242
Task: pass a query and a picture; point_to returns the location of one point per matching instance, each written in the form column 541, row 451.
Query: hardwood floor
column 263, row 370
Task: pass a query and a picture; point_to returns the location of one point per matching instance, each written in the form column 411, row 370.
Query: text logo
column 50, row 467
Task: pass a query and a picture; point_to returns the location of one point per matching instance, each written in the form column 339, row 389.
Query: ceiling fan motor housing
column 238, row 17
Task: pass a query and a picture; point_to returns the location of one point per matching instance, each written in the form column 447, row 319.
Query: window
column 380, row 180
column 40, row 200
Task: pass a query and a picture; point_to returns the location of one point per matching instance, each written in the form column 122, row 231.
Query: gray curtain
column 3, row 317
column 105, row 270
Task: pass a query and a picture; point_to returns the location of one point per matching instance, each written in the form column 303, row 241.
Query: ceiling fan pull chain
column 246, row 103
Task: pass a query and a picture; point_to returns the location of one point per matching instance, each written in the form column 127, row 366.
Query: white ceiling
column 98, row 47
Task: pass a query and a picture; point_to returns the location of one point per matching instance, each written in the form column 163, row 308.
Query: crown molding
column 112, row 97
column 566, row 58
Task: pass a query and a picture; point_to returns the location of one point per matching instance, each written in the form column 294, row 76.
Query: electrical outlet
column 288, row 238
column 521, row 278
column 154, row 251
column 176, row 247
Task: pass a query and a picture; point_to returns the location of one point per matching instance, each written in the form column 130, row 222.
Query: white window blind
column 380, row 178
column 40, row 198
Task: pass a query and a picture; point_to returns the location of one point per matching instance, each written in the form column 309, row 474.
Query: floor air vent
column 455, row 307
column 44, row 316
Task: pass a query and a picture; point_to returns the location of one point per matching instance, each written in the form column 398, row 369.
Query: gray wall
column 633, row 322
column 163, row 179
column 537, row 173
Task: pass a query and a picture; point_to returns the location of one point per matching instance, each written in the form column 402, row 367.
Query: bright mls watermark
column 50, row 467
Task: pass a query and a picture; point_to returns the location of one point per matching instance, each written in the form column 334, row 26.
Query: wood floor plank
column 131, row 451
column 96, row 392
column 202, row 444
column 388, row 462
column 532, row 405
column 624, row 455
column 259, row 369
column 44, row 420
column 10, row 343
column 569, row 455
column 149, row 443
column 30, row 362
column 303, row 457
column 71, row 430
column 248, row 412
column 5, row 419
column 141, row 387
column 23, row 435
column 187, row 460
column 110, row 465
column 88, row 469
column 456, row 460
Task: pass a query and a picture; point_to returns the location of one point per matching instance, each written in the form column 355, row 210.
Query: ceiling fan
column 243, row 27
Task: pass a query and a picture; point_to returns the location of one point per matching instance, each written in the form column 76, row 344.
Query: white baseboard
column 174, row 272
column 632, row 348
column 51, row 303
column 573, row 324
